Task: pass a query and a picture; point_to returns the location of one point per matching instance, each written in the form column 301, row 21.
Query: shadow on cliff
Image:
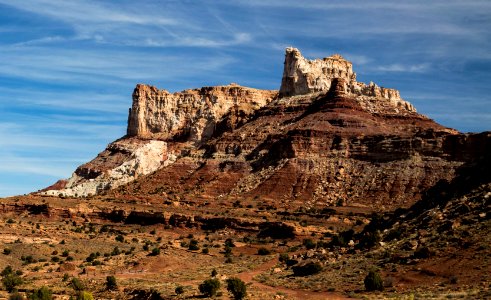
column 469, row 178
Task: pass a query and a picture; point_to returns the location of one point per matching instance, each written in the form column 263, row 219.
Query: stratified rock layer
column 323, row 139
column 190, row 114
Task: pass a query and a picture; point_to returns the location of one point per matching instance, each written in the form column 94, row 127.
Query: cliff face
column 190, row 114
column 323, row 139
column 302, row 76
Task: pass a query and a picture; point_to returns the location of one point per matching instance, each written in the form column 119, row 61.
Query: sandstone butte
column 322, row 139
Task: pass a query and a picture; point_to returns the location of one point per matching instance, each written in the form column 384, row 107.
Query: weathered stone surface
column 190, row 114
column 325, row 140
column 302, row 76
column 123, row 161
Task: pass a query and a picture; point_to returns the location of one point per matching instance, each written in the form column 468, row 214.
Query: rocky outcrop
column 323, row 139
column 302, row 76
column 123, row 161
column 190, row 114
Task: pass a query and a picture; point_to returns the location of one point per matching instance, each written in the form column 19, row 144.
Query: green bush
column 7, row 270
column 16, row 296
column 179, row 290
column 193, row 245
column 263, row 251
column 422, row 252
column 7, row 251
column 309, row 244
column 77, row 284
column 237, row 288
column 83, row 295
column 119, row 238
column 43, row 293
column 209, row 287
column 155, row 251
column 111, row 283
column 11, row 281
column 229, row 242
column 307, row 269
column 373, row 281
column 283, row 257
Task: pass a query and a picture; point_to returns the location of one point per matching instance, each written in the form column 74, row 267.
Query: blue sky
column 68, row 68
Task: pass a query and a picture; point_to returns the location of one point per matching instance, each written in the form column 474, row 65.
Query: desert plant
column 119, row 238
column 263, row 251
column 214, row 273
column 237, row 288
column 193, row 245
column 16, row 296
column 111, row 283
column 7, row 251
column 308, row 243
column 209, row 287
column 83, row 295
column 229, row 242
column 7, row 270
column 179, row 290
column 77, row 284
column 43, row 293
column 307, row 269
column 283, row 257
column 373, row 281
column 155, row 251
column 422, row 252
column 11, row 279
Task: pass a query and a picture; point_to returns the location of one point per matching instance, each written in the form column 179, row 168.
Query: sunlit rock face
column 322, row 139
column 302, row 76
column 190, row 114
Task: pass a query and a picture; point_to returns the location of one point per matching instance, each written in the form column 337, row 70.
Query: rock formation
column 190, row 114
column 302, row 76
column 323, row 139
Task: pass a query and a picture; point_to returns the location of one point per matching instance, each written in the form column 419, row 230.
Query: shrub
column 263, row 251
column 65, row 277
column 43, row 293
column 307, row 269
column 277, row 230
column 214, row 273
column 179, row 290
column 205, row 250
column 77, row 284
column 119, row 238
column 193, row 245
column 229, row 243
column 155, row 251
column 237, row 288
column 7, row 270
column 373, row 281
column 7, row 251
column 283, row 257
column 83, row 295
column 116, row 251
column 422, row 252
column 209, row 287
column 10, row 279
column 16, row 296
column 309, row 244
column 111, row 283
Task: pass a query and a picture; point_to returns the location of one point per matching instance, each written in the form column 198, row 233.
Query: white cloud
column 419, row 68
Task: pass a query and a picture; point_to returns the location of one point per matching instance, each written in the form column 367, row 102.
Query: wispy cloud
column 419, row 68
